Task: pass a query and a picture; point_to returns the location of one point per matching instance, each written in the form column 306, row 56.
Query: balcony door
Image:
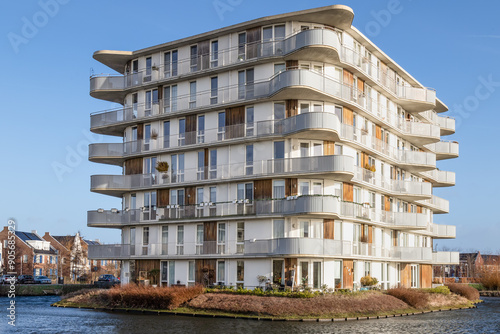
column 278, row 271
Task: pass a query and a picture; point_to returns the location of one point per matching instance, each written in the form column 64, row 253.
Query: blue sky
column 452, row 46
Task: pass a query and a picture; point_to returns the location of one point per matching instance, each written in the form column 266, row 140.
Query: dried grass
column 491, row 280
column 464, row 290
column 321, row 306
column 412, row 297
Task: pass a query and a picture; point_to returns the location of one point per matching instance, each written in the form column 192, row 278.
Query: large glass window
column 164, row 240
column 192, row 94
column 249, row 159
column 180, row 240
column 249, row 121
column 214, row 90
column 166, row 134
column 194, row 58
column 278, row 228
column 221, row 130
column 201, row 129
column 240, row 237
column 221, row 238
column 221, row 272
column 214, row 54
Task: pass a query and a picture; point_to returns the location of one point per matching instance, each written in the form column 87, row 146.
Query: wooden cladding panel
column 133, row 166
column 378, row 132
column 205, row 272
column 290, row 187
column 190, row 129
column 387, row 203
column 348, row 192
column 140, row 131
column 163, row 197
column 328, row 228
column 370, row 234
column 190, row 195
column 291, row 64
column 361, row 85
column 419, row 209
column 235, row 120
column 347, row 274
column 426, row 276
column 328, row 147
column 291, row 264
column 291, row 107
column 144, row 267
column 253, row 42
column 348, row 116
column 405, row 275
column 364, row 159
column 394, row 238
column 204, row 54
column 263, row 189
column 210, row 238
column 348, row 78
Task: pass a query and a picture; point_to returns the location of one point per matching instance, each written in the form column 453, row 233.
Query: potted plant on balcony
column 154, row 274
column 154, row 135
column 162, row 167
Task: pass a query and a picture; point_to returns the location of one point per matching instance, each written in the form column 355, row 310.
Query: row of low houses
column 57, row 257
column 470, row 268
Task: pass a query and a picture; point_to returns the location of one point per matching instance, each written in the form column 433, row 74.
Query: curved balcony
column 408, row 190
column 420, row 133
column 112, row 218
column 444, row 149
column 444, row 231
column 402, row 220
column 339, row 167
column 107, row 153
column 440, row 178
column 415, row 161
column 298, row 247
column 436, row 204
column 412, row 253
column 447, row 125
column 445, row 258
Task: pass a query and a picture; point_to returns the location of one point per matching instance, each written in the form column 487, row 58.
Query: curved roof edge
column 341, row 15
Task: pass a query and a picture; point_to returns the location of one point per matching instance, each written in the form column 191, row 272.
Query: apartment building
column 289, row 148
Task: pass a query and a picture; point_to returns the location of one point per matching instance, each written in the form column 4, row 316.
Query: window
column 240, row 237
column 368, row 267
column 249, row 121
column 304, row 272
column 166, row 134
column 279, row 68
column 201, row 165
column 214, row 54
column 150, row 168
column 164, row 240
column 279, row 156
column 149, row 209
column 242, row 41
column 199, row 196
column 304, row 229
column 316, row 275
column 192, row 94
column 194, row 58
column 213, row 163
column 304, row 150
column 279, row 116
column 199, row 239
column 221, row 268
column 214, row 87
column 414, row 276
column 169, row 98
column 221, row 238
column 278, row 228
column 148, row 69
column 213, row 201
column 170, row 64
column 201, row 129
column 304, row 188
column 177, row 167
column 339, row 149
column 272, row 38
column 221, row 129
column 177, row 202
column 191, row 272
column 240, row 273
column 134, row 105
column 249, row 159
column 180, row 240
column 245, row 84
column 372, row 200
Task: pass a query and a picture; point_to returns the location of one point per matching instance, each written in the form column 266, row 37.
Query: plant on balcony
column 364, row 239
column 154, row 135
column 162, row 166
column 370, row 167
column 368, row 281
column 155, row 68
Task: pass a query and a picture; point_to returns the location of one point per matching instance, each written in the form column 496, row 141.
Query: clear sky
column 452, row 46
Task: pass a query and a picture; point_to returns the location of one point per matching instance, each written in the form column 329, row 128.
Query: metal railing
column 445, row 258
column 298, row 246
column 444, row 147
column 438, row 204
column 441, row 176
column 444, row 231
column 447, row 123
column 412, row 253
column 306, row 165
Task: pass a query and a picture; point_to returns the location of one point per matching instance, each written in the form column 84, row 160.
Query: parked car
column 42, row 280
column 6, row 279
column 107, row 281
column 25, row 279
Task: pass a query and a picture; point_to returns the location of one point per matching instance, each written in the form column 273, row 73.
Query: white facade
column 297, row 151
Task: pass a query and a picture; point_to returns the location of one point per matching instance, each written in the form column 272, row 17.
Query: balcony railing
column 437, row 204
column 398, row 187
column 445, row 258
column 412, row 253
column 444, row 149
column 444, row 231
column 339, row 164
column 409, row 220
column 446, row 123
column 298, row 246
column 441, row 177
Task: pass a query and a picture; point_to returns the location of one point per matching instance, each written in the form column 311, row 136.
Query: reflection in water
column 35, row 316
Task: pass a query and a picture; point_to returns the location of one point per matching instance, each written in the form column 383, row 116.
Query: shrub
column 135, row 296
column 491, row 280
column 478, row 286
column 267, row 293
column 464, row 290
column 368, row 281
column 412, row 297
column 443, row 290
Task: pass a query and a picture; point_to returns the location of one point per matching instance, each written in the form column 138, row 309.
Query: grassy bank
column 44, row 289
column 197, row 301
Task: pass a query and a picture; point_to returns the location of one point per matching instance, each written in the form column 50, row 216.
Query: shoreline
column 215, row 314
